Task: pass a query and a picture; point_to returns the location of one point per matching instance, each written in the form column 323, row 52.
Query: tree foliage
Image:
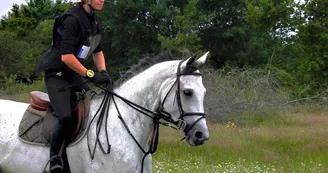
column 284, row 37
column 132, row 29
column 186, row 24
column 12, row 49
column 312, row 66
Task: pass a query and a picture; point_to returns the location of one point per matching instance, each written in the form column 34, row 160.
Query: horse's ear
column 201, row 61
column 192, row 59
column 192, row 64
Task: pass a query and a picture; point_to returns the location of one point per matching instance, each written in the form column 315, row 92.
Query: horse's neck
column 143, row 90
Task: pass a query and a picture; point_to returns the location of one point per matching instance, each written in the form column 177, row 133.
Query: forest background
column 262, row 52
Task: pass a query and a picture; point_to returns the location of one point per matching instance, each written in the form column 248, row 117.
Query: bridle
column 180, row 123
column 156, row 116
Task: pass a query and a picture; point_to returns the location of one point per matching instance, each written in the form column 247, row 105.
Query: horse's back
column 11, row 113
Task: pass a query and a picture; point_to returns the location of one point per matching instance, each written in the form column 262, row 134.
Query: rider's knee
column 65, row 119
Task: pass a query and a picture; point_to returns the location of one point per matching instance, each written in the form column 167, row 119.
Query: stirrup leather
column 60, row 166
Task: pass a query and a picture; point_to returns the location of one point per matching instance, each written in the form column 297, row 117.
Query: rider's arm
column 70, row 40
column 99, row 60
column 71, row 61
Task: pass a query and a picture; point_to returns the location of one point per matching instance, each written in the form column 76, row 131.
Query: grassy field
column 272, row 143
column 296, row 142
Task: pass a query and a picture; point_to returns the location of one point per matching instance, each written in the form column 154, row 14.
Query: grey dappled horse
column 173, row 90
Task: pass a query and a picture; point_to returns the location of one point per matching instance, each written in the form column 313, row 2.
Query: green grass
column 270, row 142
column 281, row 143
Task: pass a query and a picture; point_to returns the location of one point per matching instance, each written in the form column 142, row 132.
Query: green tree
column 311, row 70
column 186, row 22
column 224, row 31
column 271, row 25
column 47, row 9
column 132, row 28
column 19, row 20
column 12, row 49
column 25, row 35
column 39, row 40
column 246, row 32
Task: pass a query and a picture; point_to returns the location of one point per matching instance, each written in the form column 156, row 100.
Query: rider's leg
column 61, row 103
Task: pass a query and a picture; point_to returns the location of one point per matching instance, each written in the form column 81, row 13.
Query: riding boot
column 56, row 143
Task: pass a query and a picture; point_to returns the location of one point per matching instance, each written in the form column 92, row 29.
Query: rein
column 103, row 108
column 155, row 116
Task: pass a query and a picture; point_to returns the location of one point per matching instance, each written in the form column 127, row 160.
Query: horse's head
column 182, row 101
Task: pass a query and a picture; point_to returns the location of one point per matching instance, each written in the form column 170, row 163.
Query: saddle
column 38, row 119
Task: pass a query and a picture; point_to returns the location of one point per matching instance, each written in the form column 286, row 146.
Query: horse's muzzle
column 198, row 138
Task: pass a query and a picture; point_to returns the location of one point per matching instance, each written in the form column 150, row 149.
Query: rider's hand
column 110, row 82
column 105, row 73
column 97, row 78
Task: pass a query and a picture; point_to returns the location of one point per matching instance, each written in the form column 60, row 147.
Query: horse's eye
column 187, row 93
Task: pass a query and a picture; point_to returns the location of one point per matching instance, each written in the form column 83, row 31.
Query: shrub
column 232, row 92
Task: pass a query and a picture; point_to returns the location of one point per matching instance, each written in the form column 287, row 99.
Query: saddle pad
column 31, row 128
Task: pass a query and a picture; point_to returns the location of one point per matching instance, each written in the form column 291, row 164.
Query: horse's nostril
column 199, row 135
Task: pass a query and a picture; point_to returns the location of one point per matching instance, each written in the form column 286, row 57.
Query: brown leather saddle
column 38, row 119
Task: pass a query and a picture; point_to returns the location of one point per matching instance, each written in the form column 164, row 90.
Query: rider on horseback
column 76, row 35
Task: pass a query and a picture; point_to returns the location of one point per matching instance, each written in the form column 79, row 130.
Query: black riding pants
column 61, row 103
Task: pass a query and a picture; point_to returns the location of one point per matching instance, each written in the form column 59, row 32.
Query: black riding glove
column 105, row 73
column 99, row 79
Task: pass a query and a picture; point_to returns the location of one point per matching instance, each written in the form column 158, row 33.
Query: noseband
column 180, row 123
